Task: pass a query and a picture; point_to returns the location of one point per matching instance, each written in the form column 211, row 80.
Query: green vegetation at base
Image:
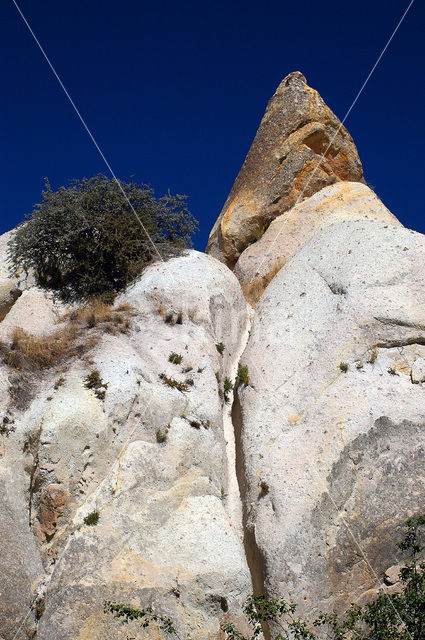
column 390, row 616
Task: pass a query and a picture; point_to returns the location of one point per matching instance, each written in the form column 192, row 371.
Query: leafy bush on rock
column 84, row 240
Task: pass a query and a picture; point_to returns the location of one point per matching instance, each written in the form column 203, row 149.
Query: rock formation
column 297, row 486
column 300, row 147
column 331, row 420
column 154, row 459
column 288, row 233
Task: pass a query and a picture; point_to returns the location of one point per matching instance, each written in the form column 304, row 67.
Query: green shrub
column 228, row 385
column 264, row 487
column 161, row 436
column 95, row 382
column 243, row 375
column 220, row 346
column 343, row 366
column 175, row 358
column 227, row 388
column 92, row 518
column 84, row 240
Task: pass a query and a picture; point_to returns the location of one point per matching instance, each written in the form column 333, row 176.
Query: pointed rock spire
column 300, row 147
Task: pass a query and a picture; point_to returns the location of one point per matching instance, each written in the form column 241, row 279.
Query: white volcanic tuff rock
column 299, row 148
column 34, row 311
column 21, row 568
column 342, row 453
column 165, row 534
column 418, row 371
column 10, row 286
column 288, row 233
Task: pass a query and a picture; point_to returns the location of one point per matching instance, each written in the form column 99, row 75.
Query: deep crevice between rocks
column 254, row 557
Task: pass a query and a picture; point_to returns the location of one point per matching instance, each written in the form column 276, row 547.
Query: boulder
column 331, row 423
column 300, row 147
column 288, row 233
column 34, row 311
column 11, row 286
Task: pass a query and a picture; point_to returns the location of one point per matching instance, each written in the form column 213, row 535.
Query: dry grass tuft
column 28, row 353
column 103, row 316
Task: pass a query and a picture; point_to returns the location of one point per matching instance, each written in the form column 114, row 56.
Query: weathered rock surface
column 329, row 431
column 418, row 371
column 284, row 165
column 342, row 452
column 167, row 533
column 288, row 233
column 9, row 286
column 34, row 311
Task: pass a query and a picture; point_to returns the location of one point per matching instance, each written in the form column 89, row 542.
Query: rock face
column 123, row 477
column 284, row 165
column 154, row 461
column 288, row 233
column 331, row 420
column 10, row 287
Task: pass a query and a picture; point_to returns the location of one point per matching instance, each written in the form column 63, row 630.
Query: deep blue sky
column 174, row 92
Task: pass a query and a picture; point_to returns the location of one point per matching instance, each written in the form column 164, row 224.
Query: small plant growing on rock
column 373, row 354
column 220, row 346
column 175, row 358
column 92, row 518
column 243, row 375
column 343, row 366
column 28, row 352
column 59, row 382
column 94, row 381
column 161, row 436
column 147, row 616
column 6, row 426
column 264, row 487
column 223, row 494
column 174, row 384
column 227, row 388
column 392, row 371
